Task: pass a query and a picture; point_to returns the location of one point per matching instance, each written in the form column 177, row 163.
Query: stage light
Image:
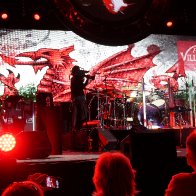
column 7, row 142
column 4, row 16
column 169, row 24
column 114, row 22
column 36, row 16
column 26, row 144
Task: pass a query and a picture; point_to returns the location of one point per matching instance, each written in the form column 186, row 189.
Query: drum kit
column 117, row 108
column 160, row 100
column 113, row 105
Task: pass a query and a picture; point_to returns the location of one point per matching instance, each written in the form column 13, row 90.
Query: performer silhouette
column 79, row 80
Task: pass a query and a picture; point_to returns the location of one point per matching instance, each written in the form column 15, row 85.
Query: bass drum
column 153, row 115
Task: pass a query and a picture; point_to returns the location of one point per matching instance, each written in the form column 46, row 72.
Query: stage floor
column 72, row 156
column 75, row 168
column 66, row 156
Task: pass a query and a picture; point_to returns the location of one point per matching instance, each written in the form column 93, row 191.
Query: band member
column 79, row 80
column 48, row 120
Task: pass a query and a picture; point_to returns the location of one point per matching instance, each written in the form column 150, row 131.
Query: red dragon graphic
column 9, row 84
column 119, row 70
column 122, row 69
column 176, row 71
column 56, row 78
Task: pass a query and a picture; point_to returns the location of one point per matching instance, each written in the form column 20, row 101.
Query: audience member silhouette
column 184, row 184
column 113, row 175
column 51, row 185
column 24, row 188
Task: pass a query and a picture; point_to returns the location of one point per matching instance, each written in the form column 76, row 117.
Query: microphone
column 85, row 71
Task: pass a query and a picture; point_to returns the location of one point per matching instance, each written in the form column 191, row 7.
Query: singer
column 79, row 80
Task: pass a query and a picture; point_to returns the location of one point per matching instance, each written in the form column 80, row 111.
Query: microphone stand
column 144, row 103
column 89, row 106
column 98, row 109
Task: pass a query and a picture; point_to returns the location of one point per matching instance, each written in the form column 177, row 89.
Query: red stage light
column 7, row 142
column 37, row 16
column 4, row 16
column 169, row 24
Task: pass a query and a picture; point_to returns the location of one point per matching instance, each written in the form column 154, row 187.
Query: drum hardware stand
column 106, row 110
column 171, row 105
column 194, row 110
column 181, row 122
column 191, row 94
column 124, row 116
column 144, row 103
column 165, row 121
column 180, row 125
column 100, row 120
column 98, row 108
column 89, row 106
column 124, row 112
column 34, row 115
column 114, row 112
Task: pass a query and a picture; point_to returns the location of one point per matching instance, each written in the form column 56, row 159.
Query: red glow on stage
column 7, row 142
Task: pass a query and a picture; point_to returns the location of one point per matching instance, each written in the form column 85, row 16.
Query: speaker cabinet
column 181, row 135
column 153, row 156
column 154, row 148
column 32, row 144
column 107, row 139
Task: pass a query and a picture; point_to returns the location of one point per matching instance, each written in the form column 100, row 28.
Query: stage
column 76, row 167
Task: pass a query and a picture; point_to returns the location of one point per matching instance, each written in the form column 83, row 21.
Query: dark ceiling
column 90, row 19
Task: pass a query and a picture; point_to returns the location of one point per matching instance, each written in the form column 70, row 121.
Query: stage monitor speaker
column 123, row 141
column 152, row 148
column 181, row 135
column 120, row 134
column 32, row 144
column 107, row 139
column 125, row 146
column 153, row 154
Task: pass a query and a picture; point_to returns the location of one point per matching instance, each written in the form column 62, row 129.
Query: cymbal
column 104, row 86
column 98, row 94
column 114, row 92
column 127, row 88
column 92, row 90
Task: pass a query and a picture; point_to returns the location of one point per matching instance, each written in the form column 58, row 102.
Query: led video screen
column 41, row 61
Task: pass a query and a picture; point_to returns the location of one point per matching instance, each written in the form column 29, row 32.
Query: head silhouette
column 75, row 70
column 191, row 149
column 25, row 188
column 113, row 175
